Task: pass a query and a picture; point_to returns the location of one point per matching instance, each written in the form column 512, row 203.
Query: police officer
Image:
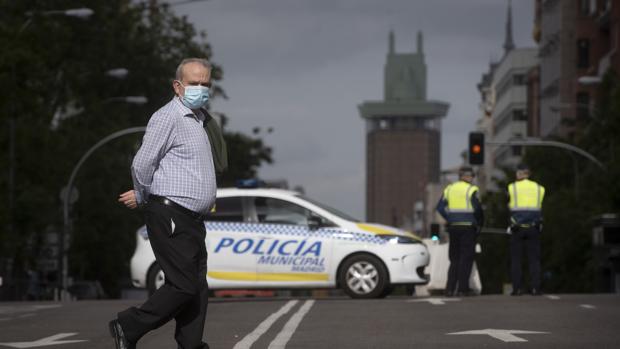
column 525, row 205
column 460, row 207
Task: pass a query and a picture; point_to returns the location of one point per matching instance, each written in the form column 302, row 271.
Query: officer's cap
column 466, row 171
column 523, row 167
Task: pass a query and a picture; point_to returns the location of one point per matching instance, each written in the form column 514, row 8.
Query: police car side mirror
column 314, row 222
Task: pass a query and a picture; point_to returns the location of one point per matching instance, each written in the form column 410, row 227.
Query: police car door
column 230, row 240
column 292, row 253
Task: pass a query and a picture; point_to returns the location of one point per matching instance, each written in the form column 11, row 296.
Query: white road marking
column 435, row 301
column 26, row 315
column 43, row 342
column 502, row 335
column 253, row 336
column 552, row 297
column 26, row 308
column 172, row 225
column 289, row 328
column 587, row 306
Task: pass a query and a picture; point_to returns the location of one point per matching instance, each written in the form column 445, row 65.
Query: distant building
column 578, row 44
column 403, row 135
column 504, row 108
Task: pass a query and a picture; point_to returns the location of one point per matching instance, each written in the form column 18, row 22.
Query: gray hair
column 204, row 62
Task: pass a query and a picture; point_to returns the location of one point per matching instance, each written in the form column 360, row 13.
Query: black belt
column 167, row 202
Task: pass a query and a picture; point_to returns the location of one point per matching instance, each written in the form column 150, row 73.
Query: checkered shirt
column 175, row 159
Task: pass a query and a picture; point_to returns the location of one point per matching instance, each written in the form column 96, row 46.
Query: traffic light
column 476, row 148
column 434, row 231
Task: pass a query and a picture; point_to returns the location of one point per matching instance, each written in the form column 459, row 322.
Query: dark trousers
column 178, row 242
column 531, row 237
column 461, row 253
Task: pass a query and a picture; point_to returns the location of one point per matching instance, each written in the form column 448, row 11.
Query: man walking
column 174, row 180
column 460, row 207
column 525, row 205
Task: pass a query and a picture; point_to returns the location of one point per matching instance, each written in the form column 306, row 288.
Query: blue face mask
column 195, row 97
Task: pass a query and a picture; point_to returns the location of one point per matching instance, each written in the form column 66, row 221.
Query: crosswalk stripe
column 263, row 327
column 289, row 328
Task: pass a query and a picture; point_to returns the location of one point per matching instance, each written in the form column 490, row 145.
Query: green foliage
column 245, row 155
column 56, row 64
column 577, row 190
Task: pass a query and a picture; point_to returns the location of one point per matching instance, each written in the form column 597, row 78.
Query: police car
column 272, row 238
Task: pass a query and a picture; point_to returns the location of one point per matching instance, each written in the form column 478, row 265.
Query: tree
column 577, row 191
column 57, row 66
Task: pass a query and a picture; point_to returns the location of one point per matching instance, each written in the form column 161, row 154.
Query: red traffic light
column 476, row 148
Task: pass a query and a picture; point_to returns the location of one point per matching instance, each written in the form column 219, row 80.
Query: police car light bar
column 249, row 183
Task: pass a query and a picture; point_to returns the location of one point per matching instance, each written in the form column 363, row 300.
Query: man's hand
column 128, row 199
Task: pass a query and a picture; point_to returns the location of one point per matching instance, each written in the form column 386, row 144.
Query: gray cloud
column 302, row 67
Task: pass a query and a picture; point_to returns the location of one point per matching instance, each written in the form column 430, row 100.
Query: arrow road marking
column 435, row 301
column 43, row 342
column 502, row 335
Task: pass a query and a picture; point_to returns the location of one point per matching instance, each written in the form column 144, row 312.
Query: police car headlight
column 397, row 239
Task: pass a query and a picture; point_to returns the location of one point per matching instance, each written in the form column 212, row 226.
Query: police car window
column 276, row 211
column 227, row 210
column 330, row 209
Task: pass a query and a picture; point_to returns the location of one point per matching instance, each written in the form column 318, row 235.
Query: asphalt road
column 562, row 321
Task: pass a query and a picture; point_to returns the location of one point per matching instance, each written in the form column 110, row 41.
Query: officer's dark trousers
column 531, row 238
column 178, row 242
column 461, row 253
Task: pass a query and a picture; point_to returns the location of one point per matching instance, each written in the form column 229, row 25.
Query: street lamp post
column 66, row 195
column 59, row 116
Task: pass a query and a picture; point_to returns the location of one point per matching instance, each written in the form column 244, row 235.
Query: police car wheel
column 155, row 279
column 363, row 276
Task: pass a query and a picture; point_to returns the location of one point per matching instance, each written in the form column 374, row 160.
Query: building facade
column 578, row 44
column 504, row 106
column 403, row 135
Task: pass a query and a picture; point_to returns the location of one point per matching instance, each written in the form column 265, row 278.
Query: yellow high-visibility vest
column 459, row 196
column 526, row 195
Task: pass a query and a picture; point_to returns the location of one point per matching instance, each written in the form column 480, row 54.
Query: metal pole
column 541, row 143
column 576, row 171
column 67, row 226
column 11, row 169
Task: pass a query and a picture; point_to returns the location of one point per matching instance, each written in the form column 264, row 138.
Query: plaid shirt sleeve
column 156, row 142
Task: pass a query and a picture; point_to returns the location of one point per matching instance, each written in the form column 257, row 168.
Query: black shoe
column 448, row 294
column 119, row 337
column 516, row 293
column 536, row 292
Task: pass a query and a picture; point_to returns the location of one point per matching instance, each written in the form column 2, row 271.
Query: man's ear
column 176, row 85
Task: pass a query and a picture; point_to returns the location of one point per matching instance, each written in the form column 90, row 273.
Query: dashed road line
column 553, row 297
column 46, row 342
column 587, row 306
column 289, row 328
column 434, row 301
column 264, row 326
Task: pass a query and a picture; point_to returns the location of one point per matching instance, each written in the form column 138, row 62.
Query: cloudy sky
column 303, row 66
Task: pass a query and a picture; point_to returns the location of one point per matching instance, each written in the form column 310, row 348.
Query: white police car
column 273, row 238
